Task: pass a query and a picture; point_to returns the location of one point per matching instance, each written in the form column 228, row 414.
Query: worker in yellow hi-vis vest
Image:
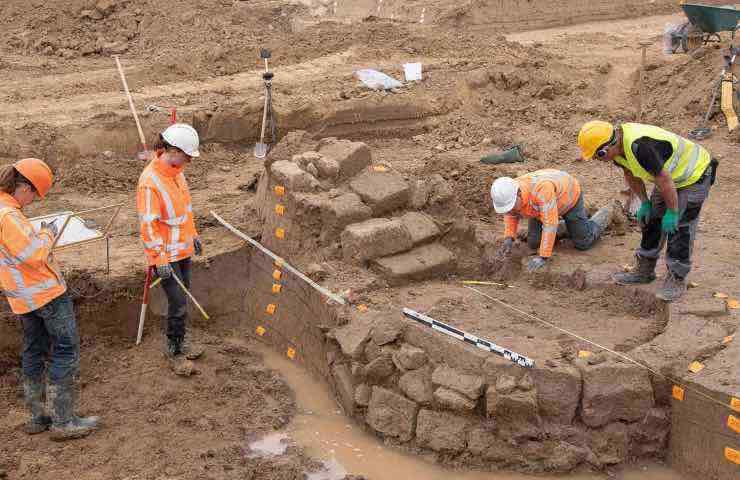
column 682, row 171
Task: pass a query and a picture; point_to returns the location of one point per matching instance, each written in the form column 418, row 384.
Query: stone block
column 292, row 177
column 421, row 227
column 345, row 388
column 409, row 357
column 515, row 413
column 505, row 384
column 469, row 385
column 362, row 395
column 380, row 368
column 441, row 190
column 374, row 238
column 304, row 159
column 353, row 336
column 558, row 393
column 564, row 457
column 382, row 191
column 484, row 443
column 421, row 263
column 615, row 391
column 344, row 210
column 351, row 157
column 391, row 414
column 417, row 385
column 386, row 330
column 327, row 168
column 610, row 444
column 419, row 194
column 449, row 351
column 453, row 400
column 441, row 431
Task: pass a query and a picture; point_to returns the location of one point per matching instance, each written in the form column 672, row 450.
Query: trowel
column 261, row 148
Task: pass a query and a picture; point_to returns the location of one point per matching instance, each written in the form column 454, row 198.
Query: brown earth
column 60, row 99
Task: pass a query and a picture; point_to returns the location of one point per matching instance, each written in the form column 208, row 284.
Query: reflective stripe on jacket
column 165, row 214
column 28, row 274
column 546, row 195
column 686, row 165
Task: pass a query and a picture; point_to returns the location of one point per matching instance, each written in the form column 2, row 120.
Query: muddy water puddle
column 344, row 447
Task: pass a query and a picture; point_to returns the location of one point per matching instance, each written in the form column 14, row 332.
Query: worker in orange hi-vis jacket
column 544, row 196
column 168, row 229
column 37, row 293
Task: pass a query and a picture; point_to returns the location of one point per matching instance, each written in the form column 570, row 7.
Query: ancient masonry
column 413, row 386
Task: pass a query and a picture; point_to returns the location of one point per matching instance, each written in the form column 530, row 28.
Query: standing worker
column 168, row 229
column 682, row 172
column 544, row 196
column 36, row 291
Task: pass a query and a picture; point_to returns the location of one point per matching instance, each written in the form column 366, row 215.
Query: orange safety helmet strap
column 37, row 172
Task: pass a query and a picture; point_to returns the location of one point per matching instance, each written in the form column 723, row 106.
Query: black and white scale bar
column 466, row 337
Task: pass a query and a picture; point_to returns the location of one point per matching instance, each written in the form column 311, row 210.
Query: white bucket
column 412, row 71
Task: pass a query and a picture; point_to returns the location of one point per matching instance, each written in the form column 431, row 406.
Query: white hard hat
column 503, row 194
column 184, row 137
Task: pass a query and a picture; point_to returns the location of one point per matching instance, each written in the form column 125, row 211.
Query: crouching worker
column 36, row 291
column 168, row 229
column 683, row 173
column 544, row 196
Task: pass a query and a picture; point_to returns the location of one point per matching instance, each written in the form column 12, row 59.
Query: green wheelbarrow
column 705, row 24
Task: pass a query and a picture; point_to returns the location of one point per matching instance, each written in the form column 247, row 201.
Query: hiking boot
column 34, row 390
column 66, row 425
column 644, row 272
column 673, row 288
column 192, row 351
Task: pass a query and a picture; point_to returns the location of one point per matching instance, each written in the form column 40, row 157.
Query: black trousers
column 177, row 301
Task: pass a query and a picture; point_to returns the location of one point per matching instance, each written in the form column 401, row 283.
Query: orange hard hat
column 37, row 172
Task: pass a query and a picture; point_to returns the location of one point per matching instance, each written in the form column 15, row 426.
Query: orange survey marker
column 732, row 455
column 280, row 233
column 678, row 393
column 271, row 308
column 276, row 287
column 279, row 210
column 276, row 274
column 260, row 330
column 279, row 190
column 735, row 404
column 290, row 353
column 733, row 423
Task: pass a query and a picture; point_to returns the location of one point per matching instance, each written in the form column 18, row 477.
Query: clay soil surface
column 60, row 99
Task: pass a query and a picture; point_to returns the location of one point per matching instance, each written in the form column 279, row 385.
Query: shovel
column 261, row 148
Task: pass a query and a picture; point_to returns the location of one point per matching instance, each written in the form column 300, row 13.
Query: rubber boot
column 66, row 425
column 173, row 347
column 673, row 288
column 33, row 390
column 192, row 351
column 644, row 272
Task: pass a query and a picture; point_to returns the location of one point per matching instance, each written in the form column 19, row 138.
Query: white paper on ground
column 412, row 71
column 75, row 232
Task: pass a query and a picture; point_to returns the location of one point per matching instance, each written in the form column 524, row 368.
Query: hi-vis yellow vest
column 686, row 165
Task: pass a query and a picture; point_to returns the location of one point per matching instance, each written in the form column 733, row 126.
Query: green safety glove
column 670, row 221
column 643, row 213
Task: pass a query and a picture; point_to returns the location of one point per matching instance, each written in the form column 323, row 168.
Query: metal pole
column 641, row 115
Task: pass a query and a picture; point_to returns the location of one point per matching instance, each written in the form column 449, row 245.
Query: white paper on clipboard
column 75, row 232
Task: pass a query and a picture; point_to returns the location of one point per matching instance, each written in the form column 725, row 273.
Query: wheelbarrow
column 705, row 24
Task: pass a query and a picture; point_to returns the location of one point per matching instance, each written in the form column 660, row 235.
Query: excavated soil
column 61, row 99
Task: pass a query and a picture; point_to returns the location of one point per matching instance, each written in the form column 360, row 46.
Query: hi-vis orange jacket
column 165, row 213
column 546, row 195
column 28, row 275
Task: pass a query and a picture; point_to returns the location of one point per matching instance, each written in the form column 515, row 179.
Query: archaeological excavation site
column 358, row 318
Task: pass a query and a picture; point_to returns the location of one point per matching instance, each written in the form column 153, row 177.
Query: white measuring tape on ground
column 466, row 337
column 278, row 259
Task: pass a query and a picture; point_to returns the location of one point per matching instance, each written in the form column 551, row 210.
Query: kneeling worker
column 544, row 196
column 682, row 172
column 37, row 293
